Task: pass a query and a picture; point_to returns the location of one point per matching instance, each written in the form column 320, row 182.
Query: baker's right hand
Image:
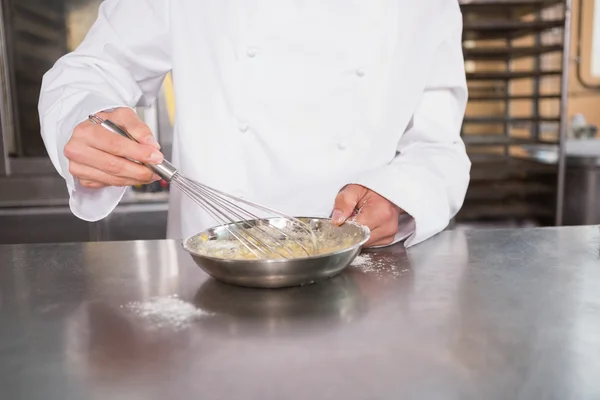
column 99, row 157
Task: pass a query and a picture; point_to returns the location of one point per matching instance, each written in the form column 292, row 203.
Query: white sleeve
column 430, row 174
column 121, row 63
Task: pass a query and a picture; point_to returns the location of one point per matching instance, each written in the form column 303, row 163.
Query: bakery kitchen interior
column 292, row 200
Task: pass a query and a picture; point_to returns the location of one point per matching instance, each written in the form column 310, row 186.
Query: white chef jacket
column 281, row 102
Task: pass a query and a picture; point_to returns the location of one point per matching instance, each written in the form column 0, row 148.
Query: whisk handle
column 165, row 170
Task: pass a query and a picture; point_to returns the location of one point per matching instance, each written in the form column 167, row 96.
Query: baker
column 314, row 108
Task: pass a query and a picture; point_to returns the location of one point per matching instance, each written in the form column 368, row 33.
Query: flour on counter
column 367, row 263
column 166, row 312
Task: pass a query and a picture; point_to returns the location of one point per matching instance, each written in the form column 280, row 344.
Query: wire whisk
column 259, row 236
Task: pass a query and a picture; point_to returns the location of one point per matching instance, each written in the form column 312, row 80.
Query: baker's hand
column 370, row 209
column 98, row 157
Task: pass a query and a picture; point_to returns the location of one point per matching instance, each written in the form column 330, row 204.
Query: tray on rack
column 498, row 167
column 497, row 140
column 503, row 97
column 508, row 53
column 507, row 75
column 516, row 7
column 493, row 140
column 494, row 29
column 43, row 14
column 508, row 120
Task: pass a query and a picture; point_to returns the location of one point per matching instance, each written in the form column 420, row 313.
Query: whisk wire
column 216, row 214
column 227, row 212
column 237, row 212
column 242, row 214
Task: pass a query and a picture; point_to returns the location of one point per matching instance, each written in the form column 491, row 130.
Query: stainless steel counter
column 507, row 314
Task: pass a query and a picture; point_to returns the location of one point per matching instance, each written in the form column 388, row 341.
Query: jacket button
column 360, row 72
column 243, row 127
column 251, row 52
column 342, row 146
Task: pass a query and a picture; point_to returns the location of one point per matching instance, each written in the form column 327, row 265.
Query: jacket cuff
column 85, row 203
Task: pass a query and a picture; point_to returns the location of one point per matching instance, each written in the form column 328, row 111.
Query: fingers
column 127, row 119
column 374, row 211
column 378, row 213
column 99, row 157
column 119, row 146
column 92, row 135
column 383, row 228
column 94, row 178
column 112, row 165
column 346, row 202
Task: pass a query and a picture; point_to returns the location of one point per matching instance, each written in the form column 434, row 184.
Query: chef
column 313, row 108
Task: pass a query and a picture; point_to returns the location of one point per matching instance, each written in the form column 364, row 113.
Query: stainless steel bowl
column 281, row 272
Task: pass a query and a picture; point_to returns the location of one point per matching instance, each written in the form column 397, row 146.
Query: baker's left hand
column 370, row 209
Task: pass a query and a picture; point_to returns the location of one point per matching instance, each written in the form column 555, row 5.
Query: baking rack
column 516, row 58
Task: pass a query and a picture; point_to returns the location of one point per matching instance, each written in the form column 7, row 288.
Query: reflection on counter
column 239, row 311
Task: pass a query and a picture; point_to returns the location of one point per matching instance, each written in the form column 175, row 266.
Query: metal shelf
column 484, row 160
column 473, row 30
column 506, row 168
column 503, row 97
column 508, row 75
column 508, row 120
column 508, row 53
column 504, row 140
column 42, row 53
column 34, row 29
column 519, row 7
column 44, row 14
